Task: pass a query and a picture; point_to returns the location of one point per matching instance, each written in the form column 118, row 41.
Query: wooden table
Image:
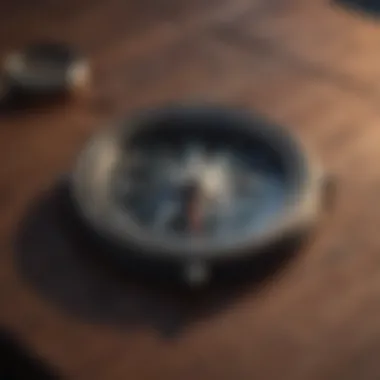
column 310, row 65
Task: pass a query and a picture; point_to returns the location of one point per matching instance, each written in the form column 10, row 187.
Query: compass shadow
column 64, row 264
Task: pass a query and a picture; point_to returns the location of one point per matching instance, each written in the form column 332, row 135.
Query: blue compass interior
column 212, row 183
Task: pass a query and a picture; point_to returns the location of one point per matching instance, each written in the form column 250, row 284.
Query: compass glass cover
column 213, row 183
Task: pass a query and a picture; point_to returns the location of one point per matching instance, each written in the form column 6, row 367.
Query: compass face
column 188, row 184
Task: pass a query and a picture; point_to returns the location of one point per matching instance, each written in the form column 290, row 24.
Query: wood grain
column 308, row 65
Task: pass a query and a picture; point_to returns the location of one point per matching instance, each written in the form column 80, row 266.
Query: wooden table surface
column 310, row 65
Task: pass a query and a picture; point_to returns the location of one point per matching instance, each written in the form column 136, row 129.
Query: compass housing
column 92, row 186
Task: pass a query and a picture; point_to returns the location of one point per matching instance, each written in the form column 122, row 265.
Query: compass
column 196, row 186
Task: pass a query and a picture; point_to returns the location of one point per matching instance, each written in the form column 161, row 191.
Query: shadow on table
column 17, row 363
column 368, row 7
column 63, row 263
